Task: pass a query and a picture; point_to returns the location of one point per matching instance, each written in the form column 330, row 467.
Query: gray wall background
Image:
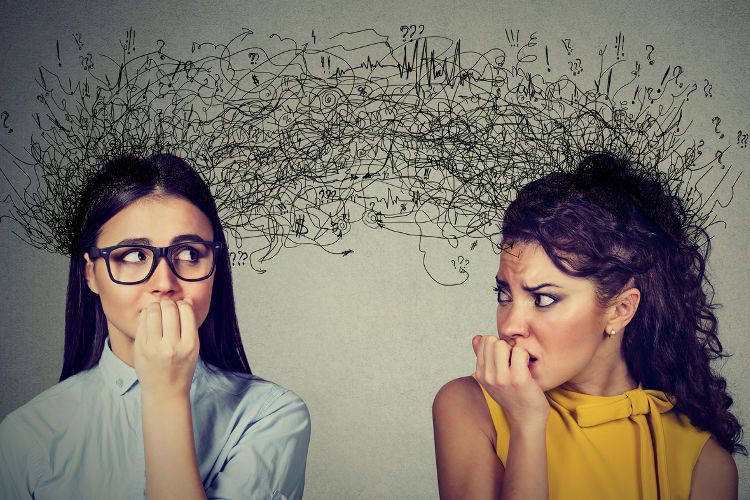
column 367, row 340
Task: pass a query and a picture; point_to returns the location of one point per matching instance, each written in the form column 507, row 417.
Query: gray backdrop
column 367, row 340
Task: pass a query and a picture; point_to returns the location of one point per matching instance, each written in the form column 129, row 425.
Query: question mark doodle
column 719, row 156
column 161, row 44
column 233, row 257
column 243, row 257
column 716, row 121
column 253, row 57
column 676, row 74
column 707, row 88
column 5, row 116
column 649, row 51
column 576, row 67
column 460, row 264
column 742, row 139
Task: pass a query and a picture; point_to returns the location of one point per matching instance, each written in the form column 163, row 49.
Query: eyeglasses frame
column 159, row 252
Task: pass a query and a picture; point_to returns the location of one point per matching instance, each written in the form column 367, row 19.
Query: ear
column 622, row 309
column 88, row 273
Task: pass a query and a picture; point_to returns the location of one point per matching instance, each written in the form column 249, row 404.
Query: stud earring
column 612, row 333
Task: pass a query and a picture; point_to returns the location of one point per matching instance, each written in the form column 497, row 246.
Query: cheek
column 117, row 299
column 200, row 293
column 569, row 341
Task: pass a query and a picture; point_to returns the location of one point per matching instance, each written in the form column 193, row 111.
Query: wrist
column 529, row 428
column 164, row 400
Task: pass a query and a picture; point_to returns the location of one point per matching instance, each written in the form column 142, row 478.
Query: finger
column 501, row 359
column 188, row 327
column 170, row 320
column 519, row 365
column 153, row 323
column 478, row 341
column 488, row 354
column 475, row 343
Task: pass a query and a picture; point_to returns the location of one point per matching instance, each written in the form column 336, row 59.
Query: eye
column 134, row 255
column 503, row 296
column 187, row 254
column 542, row 300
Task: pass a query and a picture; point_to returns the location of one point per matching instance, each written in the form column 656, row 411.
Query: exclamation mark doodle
column 58, row 54
column 663, row 79
column 546, row 56
column 512, row 39
column 620, row 46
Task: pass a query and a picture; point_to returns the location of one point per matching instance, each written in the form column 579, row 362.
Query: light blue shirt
column 83, row 438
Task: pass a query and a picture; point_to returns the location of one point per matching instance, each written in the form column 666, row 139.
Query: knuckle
column 168, row 352
column 190, row 345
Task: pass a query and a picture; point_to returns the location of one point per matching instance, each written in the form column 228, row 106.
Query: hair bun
column 604, row 175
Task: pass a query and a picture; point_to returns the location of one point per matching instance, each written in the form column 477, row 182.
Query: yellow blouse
column 613, row 447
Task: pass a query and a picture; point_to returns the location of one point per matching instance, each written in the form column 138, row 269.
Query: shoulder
column 253, row 396
column 714, row 474
column 28, row 433
column 462, row 402
column 51, row 410
column 464, row 390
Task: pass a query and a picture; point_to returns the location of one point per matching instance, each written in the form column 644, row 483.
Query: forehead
column 157, row 218
column 528, row 262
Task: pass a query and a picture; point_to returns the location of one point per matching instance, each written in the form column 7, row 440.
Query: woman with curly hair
column 598, row 384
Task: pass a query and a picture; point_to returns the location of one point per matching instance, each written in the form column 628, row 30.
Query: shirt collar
column 121, row 377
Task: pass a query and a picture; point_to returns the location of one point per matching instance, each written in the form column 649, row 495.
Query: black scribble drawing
column 412, row 133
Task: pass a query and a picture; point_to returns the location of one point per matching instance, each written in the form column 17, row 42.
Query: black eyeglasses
column 133, row 264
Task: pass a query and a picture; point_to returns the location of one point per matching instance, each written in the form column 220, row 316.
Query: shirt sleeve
column 17, row 463
column 269, row 459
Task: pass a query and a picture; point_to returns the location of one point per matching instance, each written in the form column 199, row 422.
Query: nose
column 163, row 281
column 513, row 320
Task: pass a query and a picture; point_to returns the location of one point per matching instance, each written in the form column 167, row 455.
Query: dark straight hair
column 117, row 184
column 618, row 224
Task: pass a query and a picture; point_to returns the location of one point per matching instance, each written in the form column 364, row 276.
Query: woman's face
column 158, row 221
column 555, row 317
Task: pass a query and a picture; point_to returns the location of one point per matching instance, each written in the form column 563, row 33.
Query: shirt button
column 118, row 382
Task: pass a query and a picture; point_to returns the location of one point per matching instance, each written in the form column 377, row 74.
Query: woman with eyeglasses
column 598, row 383
column 156, row 398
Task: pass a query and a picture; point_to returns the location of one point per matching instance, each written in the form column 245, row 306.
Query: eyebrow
column 147, row 241
column 504, row 284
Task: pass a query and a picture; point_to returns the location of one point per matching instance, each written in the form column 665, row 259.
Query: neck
column 121, row 344
column 606, row 375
